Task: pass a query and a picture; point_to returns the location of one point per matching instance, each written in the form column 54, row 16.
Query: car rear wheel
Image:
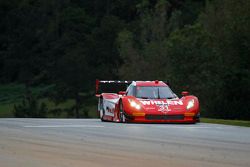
column 101, row 109
column 121, row 113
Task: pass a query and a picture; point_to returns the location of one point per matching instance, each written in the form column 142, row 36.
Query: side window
column 130, row 91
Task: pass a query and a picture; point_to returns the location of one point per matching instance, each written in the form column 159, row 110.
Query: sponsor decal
column 111, row 110
column 168, row 102
column 109, row 107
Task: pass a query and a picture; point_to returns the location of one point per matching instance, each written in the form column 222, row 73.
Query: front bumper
column 151, row 118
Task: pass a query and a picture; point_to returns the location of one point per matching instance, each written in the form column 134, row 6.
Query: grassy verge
column 6, row 110
column 12, row 94
column 226, row 122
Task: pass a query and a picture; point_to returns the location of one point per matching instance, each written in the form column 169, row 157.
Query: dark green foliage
column 200, row 46
column 230, row 40
column 56, row 112
column 30, row 108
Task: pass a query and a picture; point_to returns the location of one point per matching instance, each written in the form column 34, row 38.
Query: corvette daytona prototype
column 144, row 102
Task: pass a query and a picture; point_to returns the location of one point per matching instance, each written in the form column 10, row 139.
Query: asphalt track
column 92, row 143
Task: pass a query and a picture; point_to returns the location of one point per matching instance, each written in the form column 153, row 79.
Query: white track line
column 63, row 126
column 188, row 127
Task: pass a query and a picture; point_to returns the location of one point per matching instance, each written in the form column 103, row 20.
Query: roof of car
column 150, row 83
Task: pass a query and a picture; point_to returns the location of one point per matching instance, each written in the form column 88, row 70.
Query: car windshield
column 163, row 92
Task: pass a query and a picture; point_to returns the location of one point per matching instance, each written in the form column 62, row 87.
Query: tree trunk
column 77, row 101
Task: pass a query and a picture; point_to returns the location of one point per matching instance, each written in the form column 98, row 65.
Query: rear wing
column 111, row 86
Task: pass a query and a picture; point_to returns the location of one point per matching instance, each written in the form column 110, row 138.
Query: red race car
column 145, row 102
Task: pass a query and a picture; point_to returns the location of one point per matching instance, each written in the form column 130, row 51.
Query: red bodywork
column 148, row 110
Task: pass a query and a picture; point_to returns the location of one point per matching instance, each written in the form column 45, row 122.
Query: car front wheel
column 121, row 113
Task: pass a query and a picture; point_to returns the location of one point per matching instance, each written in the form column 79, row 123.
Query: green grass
column 51, row 105
column 12, row 94
column 92, row 110
column 6, row 110
column 226, row 122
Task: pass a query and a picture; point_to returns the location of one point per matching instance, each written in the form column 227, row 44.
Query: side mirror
column 185, row 93
column 122, row 93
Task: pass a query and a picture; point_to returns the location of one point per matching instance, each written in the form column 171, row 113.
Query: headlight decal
column 134, row 104
column 190, row 104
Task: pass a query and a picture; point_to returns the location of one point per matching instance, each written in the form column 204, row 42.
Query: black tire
column 122, row 117
column 197, row 117
column 101, row 110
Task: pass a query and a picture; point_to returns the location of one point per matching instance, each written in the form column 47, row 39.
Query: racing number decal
column 163, row 107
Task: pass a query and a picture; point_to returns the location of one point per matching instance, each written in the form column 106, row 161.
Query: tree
column 142, row 49
column 228, row 23
column 193, row 65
